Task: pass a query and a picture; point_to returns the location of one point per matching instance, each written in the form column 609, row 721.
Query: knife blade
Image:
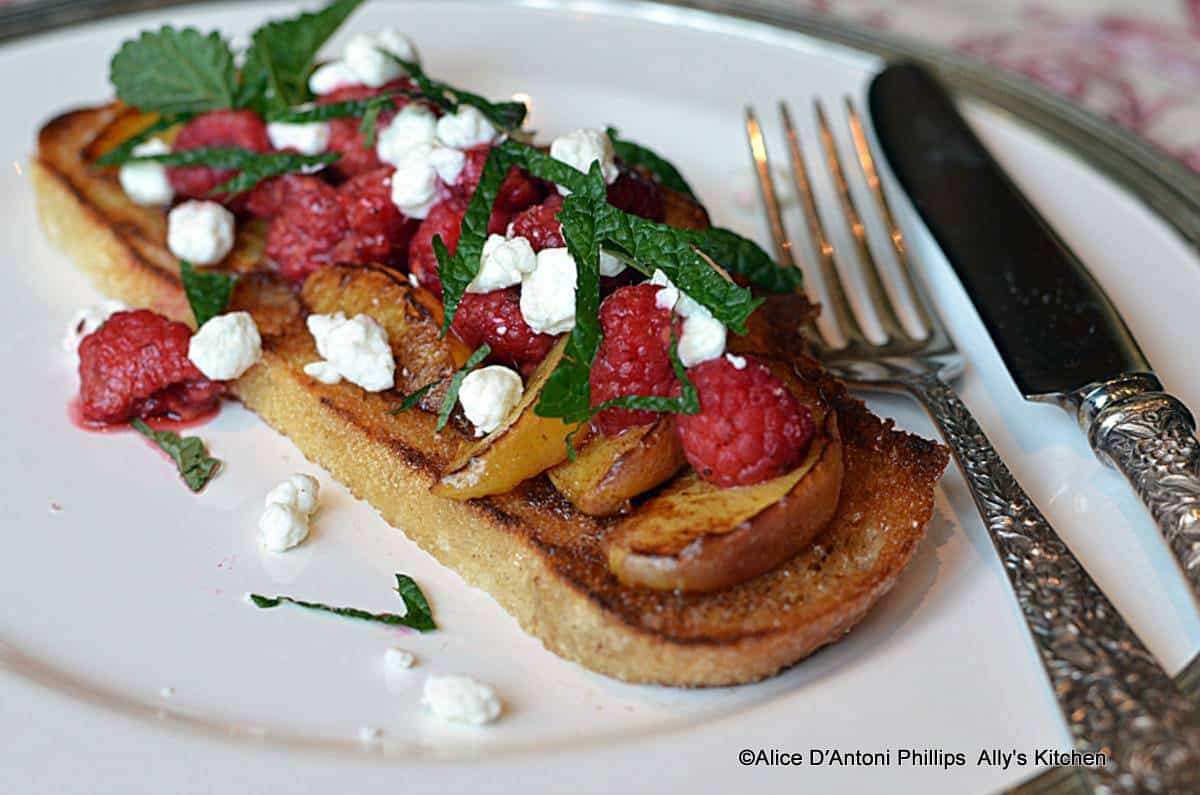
column 1060, row 336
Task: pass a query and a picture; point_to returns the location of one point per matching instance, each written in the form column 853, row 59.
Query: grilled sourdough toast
column 543, row 560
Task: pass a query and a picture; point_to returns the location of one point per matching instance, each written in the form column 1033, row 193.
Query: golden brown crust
column 542, row 560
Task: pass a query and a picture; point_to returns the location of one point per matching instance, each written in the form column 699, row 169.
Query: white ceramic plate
column 135, row 585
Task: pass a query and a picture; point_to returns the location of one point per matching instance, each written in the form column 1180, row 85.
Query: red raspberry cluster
column 136, row 365
column 751, row 427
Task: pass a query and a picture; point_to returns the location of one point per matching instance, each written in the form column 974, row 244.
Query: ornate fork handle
column 1114, row 696
column 1148, row 435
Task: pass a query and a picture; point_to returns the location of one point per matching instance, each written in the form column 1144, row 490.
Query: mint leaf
column 506, row 116
column 638, row 155
column 370, row 119
column 413, row 399
column 658, row 246
column 419, row 614
column 418, row 617
column 175, row 71
column 566, row 393
column 281, row 54
column 124, row 151
column 456, row 380
column 188, row 453
column 333, row 110
column 207, row 292
column 254, row 167
column 738, row 255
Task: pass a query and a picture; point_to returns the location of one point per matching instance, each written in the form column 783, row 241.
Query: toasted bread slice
column 541, row 559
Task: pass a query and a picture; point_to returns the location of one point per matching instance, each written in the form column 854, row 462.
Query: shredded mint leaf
column 638, row 155
column 333, row 110
column 207, row 292
column 456, row 380
column 419, row 614
column 506, row 116
column 413, row 399
column 254, row 167
column 281, row 54
column 188, row 453
column 418, row 617
column 370, row 120
column 738, row 255
column 175, row 71
column 124, row 151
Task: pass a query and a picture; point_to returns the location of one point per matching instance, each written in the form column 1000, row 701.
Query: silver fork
column 1115, row 698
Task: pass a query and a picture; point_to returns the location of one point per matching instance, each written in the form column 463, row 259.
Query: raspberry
column 750, row 427
column 495, row 318
column 379, row 232
column 136, row 365
column 237, row 128
column 637, row 195
column 303, row 234
column 267, row 198
column 634, row 357
column 445, row 220
column 516, row 192
column 539, row 224
column 344, row 136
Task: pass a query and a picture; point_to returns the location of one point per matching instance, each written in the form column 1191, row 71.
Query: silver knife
column 1060, row 336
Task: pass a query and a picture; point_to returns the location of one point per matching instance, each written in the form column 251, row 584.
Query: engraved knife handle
column 1149, row 437
column 1115, row 697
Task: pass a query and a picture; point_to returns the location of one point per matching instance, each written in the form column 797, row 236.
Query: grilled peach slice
column 411, row 315
column 694, row 536
column 611, row 470
column 524, row 445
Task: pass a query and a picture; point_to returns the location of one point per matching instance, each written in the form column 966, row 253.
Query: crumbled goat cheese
column 282, row 527
column 147, row 183
column 703, row 336
column 413, row 126
column 581, row 148
column 301, row 491
column 465, row 128
column 504, row 262
column 488, row 395
column 356, row 350
column 330, row 77
column 460, row 699
column 738, row 362
column 310, row 138
column 226, row 346
column 414, row 182
column 448, row 163
column 284, row 521
column 366, row 55
column 200, row 232
column 548, row 293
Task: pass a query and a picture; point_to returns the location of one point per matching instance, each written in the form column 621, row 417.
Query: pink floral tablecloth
column 1134, row 61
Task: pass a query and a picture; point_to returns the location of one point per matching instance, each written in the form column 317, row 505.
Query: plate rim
column 1164, row 185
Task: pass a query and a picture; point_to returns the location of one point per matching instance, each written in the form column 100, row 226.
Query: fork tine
column 866, row 161
column 758, row 150
column 843, row 314
column 876, row 292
